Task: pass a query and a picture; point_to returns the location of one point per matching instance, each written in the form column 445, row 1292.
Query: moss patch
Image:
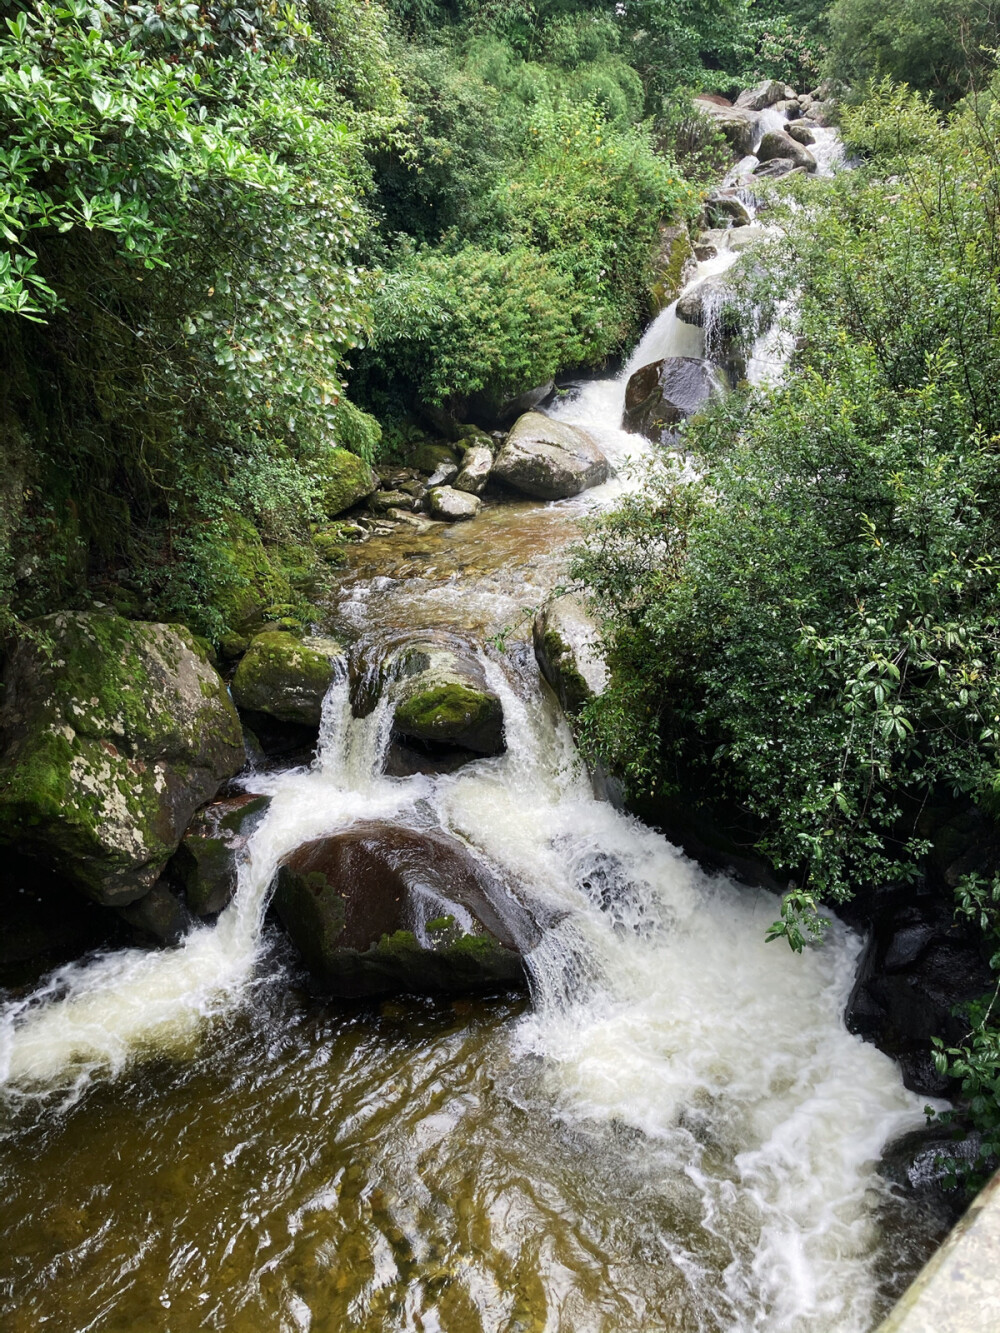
column 345, row 480
column 452, row 713
column 286, row 677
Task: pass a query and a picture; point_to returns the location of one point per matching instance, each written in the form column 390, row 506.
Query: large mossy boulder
column 549, row 460
column 442, row 700
column 658, row 397
column 112, row 733
column 207, row 862
column 345, row 480
column 567, row 649
column 249, row 580
column 381, row 909
column 287, row 678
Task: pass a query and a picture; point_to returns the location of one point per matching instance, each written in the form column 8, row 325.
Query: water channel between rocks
column 676, row 1132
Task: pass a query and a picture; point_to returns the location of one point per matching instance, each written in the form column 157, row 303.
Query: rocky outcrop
column 738, row 125
column 764, row 95
column 112, row 732
column 207, row 861
column 442, row 699
column 777, row 145
column 549, row 459
column 568, row 653
column 451, row 505
column 345, row 480
column 660, row 396
column 287, row 678
column 379, row 909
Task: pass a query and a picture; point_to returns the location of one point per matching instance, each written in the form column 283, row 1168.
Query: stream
column 674, row 1131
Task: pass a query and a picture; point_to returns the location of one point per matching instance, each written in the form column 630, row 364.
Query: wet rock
column 160, row 916
column 673, row 267
column 568, row 652
column 661, row 395
column 737, row 124
column 778, row 166
column 418, row 523
column 206, row 862
column 764, row 95
column 777, row 145
column 381, row 909
column 549, row 459
column 712, row 304
column 442, row 699
column 451, row 505
column 789, row 107
column 287, row 678
column 917, row 965
column 382, row 501
column 345, row 480
column 476, row 467
column 722, row 207
column 801, row 134
column 110, row 742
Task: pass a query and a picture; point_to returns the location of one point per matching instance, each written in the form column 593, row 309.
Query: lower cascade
column 676, row 1131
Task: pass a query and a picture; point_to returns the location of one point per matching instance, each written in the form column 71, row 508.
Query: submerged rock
column 345, row 480
column 207, row 861
column 451, row 505
column 379, row 909
column 661, row 395
column 777, row 145
column 287, row 678
column 568, row 653
column 549, row 459
column 110, row 741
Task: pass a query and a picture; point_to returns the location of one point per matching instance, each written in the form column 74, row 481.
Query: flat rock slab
column 550, row 460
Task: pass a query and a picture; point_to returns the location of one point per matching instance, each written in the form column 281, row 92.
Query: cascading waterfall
column 660, row 1019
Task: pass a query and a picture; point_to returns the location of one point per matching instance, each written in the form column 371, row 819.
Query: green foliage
column 941, row 47
column 821, row 652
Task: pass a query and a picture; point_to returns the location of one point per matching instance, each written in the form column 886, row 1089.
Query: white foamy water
column 656, row 1003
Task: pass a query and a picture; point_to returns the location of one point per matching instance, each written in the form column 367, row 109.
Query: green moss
column 444, row 712
column 250, row 580
column 675, row 254
column 285, row 677
column 345, row 480
column 428, row 457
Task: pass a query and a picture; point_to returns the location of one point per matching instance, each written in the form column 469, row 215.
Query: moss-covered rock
column 206, row 863
column 568, row 652
column 286, row 677
column 442, row 699
column 112, row 733
column 345, row 481
column 249, row 581
column 428, row 457
column 381, row 909
column 675, row 263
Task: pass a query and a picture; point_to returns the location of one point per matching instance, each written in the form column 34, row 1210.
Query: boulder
column 737, row 124
column 382, row 501
column 444, row 474
column 765, row 94
column 159, row 916
column 345, row 480
column 207, row 861
column 661, row 395
column 451, row 505
column 710, row 306
column 429, row 457
column 287, row 678
column 568, row 652
column 776, row 144
column 501, row 411
column 789, row 107
column 801, row 134
column 112, row 733
column 723, row 207
column 549, row 459
column 476, row 467
column 778, row 166
column 673, row 267
column 442, row 699
column 380, row 909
